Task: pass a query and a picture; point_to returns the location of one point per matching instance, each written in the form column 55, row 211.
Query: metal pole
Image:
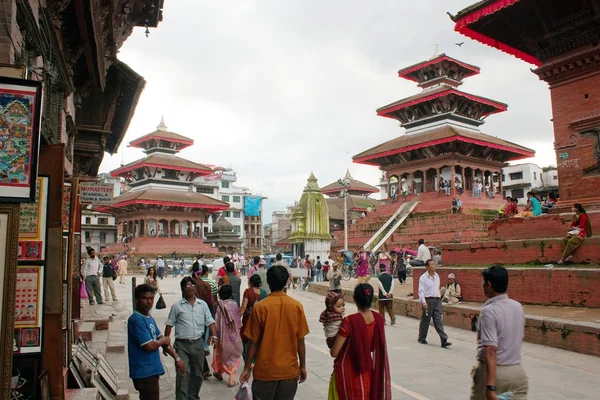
column 345, row 220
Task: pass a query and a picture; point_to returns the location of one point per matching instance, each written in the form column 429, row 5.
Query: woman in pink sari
column 228, row 350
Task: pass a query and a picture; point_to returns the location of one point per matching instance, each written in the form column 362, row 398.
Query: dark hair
column 363, row 295
column 225, row 292
column 428, row 261
column 382, row 267
column 515, row 200
column 255, row 281
column 497, row 276
column 579, row 208
column 89, row 250
column 279, row 257
column 256, row 260
column 142, row 289
column 318, row 257
column 508, row 198
column 552, row 195
column 185, row 281
column 204, row 269
column 229, row 267
column 530, row 194
column 154, row 274
column 226, row 259
column 421, row 241
column 195, row 266
column 106, row 258
column 277, row 277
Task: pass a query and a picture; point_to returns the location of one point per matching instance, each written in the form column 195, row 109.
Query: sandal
column 207, row 375
column 230, row 385
column 218, row 376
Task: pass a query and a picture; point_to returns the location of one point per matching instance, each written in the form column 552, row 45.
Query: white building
column 98, row 230
column 519, row 179
column 221, row 186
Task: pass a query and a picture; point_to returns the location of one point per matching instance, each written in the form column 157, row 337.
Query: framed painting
column 44, row 385
column 20, row 117
column 28, row 307
column 32, row 224
column 9, row 231
column 66, row 207
column 24, row 374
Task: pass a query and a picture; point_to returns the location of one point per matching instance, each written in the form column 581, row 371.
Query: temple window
column 516, row 175
column 102, row 221
column 205, row 190
column 237, row 214
column 171, row 174
column 227, row 214
column 102, row 237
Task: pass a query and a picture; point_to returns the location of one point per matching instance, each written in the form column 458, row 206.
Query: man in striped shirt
column 213, row 284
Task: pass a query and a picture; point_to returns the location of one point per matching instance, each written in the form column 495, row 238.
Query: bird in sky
column 459, row 44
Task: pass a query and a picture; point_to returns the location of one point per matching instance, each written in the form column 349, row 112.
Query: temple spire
column 162, row 126
column 312, row 184
column 436, row 52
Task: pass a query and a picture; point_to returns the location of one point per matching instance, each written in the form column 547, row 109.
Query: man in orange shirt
column 279, row 368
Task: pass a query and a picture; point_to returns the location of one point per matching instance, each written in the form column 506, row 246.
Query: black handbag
column 160, row 304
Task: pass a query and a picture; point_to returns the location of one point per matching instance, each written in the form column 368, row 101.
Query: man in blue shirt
column 143, row 343
column 190, row 316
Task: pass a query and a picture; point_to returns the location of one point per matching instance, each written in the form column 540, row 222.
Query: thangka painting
column 29, row 306
column 32, row 224
column 66, row 208
column 20, row 105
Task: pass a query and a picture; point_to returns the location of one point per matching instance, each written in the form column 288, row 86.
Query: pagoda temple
column 443, row 140
column 162, row 212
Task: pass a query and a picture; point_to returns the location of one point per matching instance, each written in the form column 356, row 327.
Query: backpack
column 319, row 265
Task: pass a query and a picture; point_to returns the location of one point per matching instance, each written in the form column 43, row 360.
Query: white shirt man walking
column 500, row 332
column 429, row 296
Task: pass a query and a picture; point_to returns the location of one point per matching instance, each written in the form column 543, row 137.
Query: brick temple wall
column 556, row 287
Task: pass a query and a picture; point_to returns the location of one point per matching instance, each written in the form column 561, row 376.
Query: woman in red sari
column 361, row 369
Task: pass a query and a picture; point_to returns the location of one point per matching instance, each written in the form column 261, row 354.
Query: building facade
column 98, row 230
column 519, row 179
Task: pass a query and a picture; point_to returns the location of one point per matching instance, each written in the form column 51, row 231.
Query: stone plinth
column 548, row 287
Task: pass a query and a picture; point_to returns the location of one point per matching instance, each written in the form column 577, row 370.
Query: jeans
column 92, row 284
column 148, row 388
column 319, row 275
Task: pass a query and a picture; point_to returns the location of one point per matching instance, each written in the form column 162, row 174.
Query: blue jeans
column 319, row 275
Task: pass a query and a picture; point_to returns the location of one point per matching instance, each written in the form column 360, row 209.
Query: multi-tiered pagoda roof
column 441, row 119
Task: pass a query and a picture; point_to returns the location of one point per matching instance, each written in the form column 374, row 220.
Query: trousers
column 434, row 310
column 274, row 390
column 509, row 378
column 109, row 286
column 148, row 388
column 389, row 306
column 92, row 284
column 571, row 243
column 187, row 386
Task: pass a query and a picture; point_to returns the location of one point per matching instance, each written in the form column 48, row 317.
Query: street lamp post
column 345, row 183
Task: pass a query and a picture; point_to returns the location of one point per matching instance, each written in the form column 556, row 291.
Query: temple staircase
column 390, row 226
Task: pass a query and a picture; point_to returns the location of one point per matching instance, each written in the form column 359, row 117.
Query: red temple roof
column 441, row 135
column 166, row 161
column 355, row 186
column 465, row 18
column 163, row 135
column 406, row 72
column 432, row 94
column 164, row 197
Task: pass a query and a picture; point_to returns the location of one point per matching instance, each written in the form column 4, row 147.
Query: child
column 386, row 289
column 332, row 316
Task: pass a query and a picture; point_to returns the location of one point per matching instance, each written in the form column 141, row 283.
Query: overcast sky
column 276, row 89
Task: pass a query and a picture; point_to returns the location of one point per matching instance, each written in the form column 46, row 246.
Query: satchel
column 160, row 304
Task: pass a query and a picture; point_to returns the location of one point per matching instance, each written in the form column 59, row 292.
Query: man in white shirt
column 429, row 296
column 90, row 271
column 423, row 254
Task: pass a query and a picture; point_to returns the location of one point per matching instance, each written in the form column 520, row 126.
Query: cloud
column 278, row 89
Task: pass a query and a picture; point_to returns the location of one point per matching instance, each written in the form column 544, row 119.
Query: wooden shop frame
column 9, row 232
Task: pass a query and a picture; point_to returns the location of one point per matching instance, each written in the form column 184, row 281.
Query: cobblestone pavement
column 418, row 371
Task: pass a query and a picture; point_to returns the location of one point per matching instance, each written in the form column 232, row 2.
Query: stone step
column 86, row 330
column 117, row 336
column 81, row 394
column 122, row 394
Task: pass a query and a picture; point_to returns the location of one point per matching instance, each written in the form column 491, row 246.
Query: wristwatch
column 491, row 388
column 178, row 358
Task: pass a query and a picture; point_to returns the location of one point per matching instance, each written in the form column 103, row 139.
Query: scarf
column 227, row 319
column 329, row 315
column 371, row 356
